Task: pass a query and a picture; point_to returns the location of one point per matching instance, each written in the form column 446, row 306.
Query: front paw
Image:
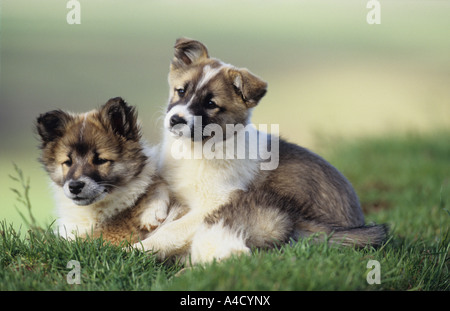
column 132, row 247
column 138, row 246
column 154, row 215
column 145, row 246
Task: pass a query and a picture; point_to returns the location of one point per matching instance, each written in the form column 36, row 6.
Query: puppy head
column 205, row 87
column 90, row 155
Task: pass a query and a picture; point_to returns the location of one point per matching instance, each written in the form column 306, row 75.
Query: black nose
column 75, row 186
column 176, row 119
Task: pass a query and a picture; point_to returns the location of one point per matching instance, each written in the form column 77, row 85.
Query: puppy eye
column 180, row 92
column 211, row 105
column 99, row 161
column 68, row 162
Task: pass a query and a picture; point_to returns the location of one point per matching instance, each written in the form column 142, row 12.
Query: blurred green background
column 331, row 75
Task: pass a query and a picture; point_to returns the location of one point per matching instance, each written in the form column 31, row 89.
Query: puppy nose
column 76, row 186
column 176, row 119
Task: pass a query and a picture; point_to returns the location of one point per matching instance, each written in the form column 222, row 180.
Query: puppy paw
column 154, row 215
column 132, row 247
column 146, row 245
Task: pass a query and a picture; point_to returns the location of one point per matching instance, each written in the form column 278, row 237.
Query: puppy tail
column 371, row 235
column 368, row 235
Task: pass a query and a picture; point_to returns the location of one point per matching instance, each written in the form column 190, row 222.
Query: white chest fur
column 204, row 184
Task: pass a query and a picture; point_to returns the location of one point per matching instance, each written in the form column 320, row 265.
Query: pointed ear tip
column 185, row 42
column 50, row 116
column 181, row 40
column 39, row 119
column 114, row 102
column 50, row 125
column 117, row 99
column 188, row 51
column 261, row 84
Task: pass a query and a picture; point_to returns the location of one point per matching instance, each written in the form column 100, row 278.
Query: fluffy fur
column 233, row 204
column 103, row 175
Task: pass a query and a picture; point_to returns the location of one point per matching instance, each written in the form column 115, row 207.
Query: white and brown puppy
column 235, row 203
column 103, row 173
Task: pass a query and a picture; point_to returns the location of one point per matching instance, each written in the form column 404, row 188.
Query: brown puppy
column 238, row 202
column 103, row 174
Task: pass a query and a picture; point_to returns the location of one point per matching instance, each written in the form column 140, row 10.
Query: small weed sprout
column 23, row 196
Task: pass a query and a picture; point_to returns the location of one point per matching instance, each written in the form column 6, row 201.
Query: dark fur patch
column 51, row 125
column 121, row 118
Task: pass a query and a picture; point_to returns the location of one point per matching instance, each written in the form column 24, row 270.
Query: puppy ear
column 250, row 87
column 187, row 52
column 51, row 125
column 121, row 118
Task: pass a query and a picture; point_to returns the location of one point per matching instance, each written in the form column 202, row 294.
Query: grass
column 402, row 181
